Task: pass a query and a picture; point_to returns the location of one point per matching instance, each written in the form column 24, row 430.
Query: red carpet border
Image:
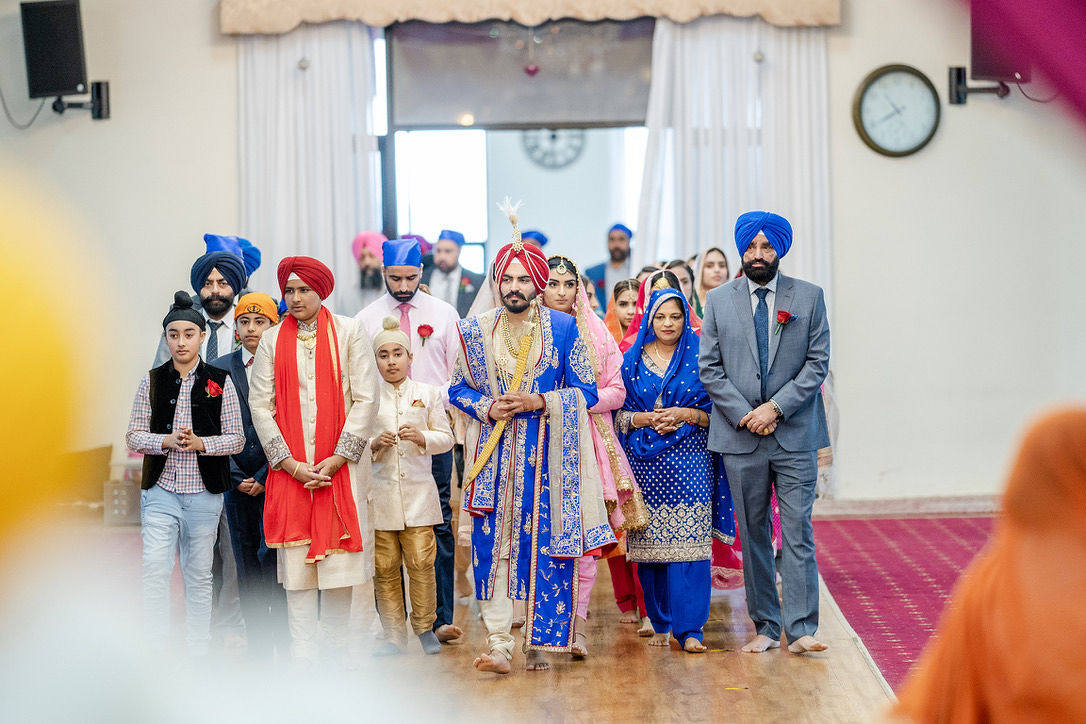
column 892, row 577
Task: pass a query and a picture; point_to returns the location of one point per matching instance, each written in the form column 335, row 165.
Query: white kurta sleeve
column 438, row 435
column 364, row 393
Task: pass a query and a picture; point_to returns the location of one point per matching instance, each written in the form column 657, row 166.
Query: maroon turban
column 309, row 270
column 531, row 256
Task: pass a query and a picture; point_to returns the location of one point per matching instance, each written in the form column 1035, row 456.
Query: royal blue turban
column 250, row 255
column 623, row 228
column 229, row 265
column 401, row 252
column 450, row 235
column 776, row 229
column 536, row 236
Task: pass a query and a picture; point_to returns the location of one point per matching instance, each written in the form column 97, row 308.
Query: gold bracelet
column 296, row 466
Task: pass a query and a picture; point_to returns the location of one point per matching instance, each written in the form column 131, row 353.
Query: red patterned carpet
column 892, row 577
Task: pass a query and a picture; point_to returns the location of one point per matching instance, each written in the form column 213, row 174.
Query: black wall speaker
column 53, row 40
column 993, row 57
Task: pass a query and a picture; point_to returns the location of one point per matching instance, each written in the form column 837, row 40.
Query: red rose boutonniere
column 425, row 331
column 465, row 285
column 418, row 403
column 213, row 389
column 783, row 318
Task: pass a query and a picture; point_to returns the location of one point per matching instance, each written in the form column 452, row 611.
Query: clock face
column 553, row 148
column 896, row 110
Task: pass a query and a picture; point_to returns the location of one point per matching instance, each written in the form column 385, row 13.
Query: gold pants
column 415, row 549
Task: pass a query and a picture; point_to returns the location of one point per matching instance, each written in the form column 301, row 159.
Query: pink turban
column 371, row 240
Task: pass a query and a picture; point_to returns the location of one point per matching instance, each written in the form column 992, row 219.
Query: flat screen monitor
column 53, row 41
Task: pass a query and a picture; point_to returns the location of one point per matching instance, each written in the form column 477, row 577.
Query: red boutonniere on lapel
column 783, row 318
column 425, row 331
column 213, row 389
column 465, row 285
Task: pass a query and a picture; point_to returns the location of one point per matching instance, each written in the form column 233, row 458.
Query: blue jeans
column 185, row 525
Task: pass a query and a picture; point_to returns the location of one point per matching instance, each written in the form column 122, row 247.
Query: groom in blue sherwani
column 765, row 350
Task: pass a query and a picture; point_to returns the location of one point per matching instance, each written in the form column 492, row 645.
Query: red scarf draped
column 326, row 518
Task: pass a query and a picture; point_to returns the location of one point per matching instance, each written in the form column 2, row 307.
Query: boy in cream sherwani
column 411, row 426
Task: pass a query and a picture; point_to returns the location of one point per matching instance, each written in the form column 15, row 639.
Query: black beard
column 761, row 275
column 516, row 303
column 619, row 255
column 401, row 296
column 444, row 267
column 372, row 279
column 215, row 305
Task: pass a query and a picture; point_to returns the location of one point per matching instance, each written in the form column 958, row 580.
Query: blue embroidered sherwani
column 530, row 483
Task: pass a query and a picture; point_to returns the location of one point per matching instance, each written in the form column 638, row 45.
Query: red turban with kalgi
column 530, row 256
column 319, row 277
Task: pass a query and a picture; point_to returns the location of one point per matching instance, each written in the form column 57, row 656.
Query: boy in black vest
column 263, row 600
column 186, row 421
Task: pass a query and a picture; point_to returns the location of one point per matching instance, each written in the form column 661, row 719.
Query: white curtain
column 737, row 120
column 309, row 166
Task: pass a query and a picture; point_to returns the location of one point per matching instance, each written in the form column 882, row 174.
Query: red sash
column 325, row 519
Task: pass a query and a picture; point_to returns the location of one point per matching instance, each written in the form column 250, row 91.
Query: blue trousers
column 441, row 468
column 750, row 476
column 676, row 597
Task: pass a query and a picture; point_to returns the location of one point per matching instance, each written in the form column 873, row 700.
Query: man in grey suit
column 765, row 349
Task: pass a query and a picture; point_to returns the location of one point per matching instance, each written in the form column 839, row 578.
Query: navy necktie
column 761, row 332
column 213, row 342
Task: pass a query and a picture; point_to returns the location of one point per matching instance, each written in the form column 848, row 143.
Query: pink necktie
column 405, row 323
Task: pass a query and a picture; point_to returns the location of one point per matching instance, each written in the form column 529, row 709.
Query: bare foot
column 629, row 617
column 693, row 646
column 448, row 632
column 518, row 622
column 646, row 628
column 806, row 644
column 760, row 643
column 536, row 662
column 492, row 662
column 660, row 639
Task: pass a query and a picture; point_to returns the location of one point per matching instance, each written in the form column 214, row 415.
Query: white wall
column 143, row 186
column 958, row 303
column 574, row 206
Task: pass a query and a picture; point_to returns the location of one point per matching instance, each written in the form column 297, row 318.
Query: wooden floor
column 624, row 679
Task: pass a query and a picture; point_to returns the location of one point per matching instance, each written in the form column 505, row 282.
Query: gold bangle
column 296, row 466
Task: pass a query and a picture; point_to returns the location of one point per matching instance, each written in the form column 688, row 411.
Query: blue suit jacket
column 598, row 275
column 799, row 355
column 251, row 461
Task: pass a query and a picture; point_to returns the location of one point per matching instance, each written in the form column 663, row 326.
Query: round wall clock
column 896, row 110
column 553, row 148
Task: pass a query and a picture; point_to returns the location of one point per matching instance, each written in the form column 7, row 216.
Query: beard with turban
column 777, row 231
column 316, row 275
column 232, row 269
column 535, row 264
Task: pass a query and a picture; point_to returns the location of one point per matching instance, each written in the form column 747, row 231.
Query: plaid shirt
column 182, row 474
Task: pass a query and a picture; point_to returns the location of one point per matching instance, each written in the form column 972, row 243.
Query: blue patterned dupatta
column 680, row 386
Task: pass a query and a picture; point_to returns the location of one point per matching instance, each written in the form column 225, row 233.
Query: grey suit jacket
column 799, row 356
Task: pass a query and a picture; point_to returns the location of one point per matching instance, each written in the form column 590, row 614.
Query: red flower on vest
column 213, row 389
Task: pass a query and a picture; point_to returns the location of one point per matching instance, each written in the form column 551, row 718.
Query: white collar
column 229, row 315
column 246, row 355
column 771, row 285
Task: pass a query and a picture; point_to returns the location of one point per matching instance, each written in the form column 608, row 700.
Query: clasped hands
column 183, row 440
column 511, row 403
column 409, row 433
column 666, row 420
column 313, row 476
column 762, row 420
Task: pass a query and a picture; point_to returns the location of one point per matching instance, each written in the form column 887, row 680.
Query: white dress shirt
column 446, row 287
column 246, row 357
column 404, row 492
column 434, row 360
column 225, row 335
column 770, row 299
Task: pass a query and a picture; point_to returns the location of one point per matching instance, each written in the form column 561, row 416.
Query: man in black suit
column 262, row 599
column 446, row 279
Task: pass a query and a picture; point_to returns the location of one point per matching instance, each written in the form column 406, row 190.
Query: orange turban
column 257, row 303
column 531, row 256
column 319, row 277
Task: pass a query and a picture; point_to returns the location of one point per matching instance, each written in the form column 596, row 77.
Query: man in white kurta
column 411, row 427
column 337, row 572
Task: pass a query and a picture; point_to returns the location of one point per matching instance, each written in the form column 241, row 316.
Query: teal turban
column 776, row 229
